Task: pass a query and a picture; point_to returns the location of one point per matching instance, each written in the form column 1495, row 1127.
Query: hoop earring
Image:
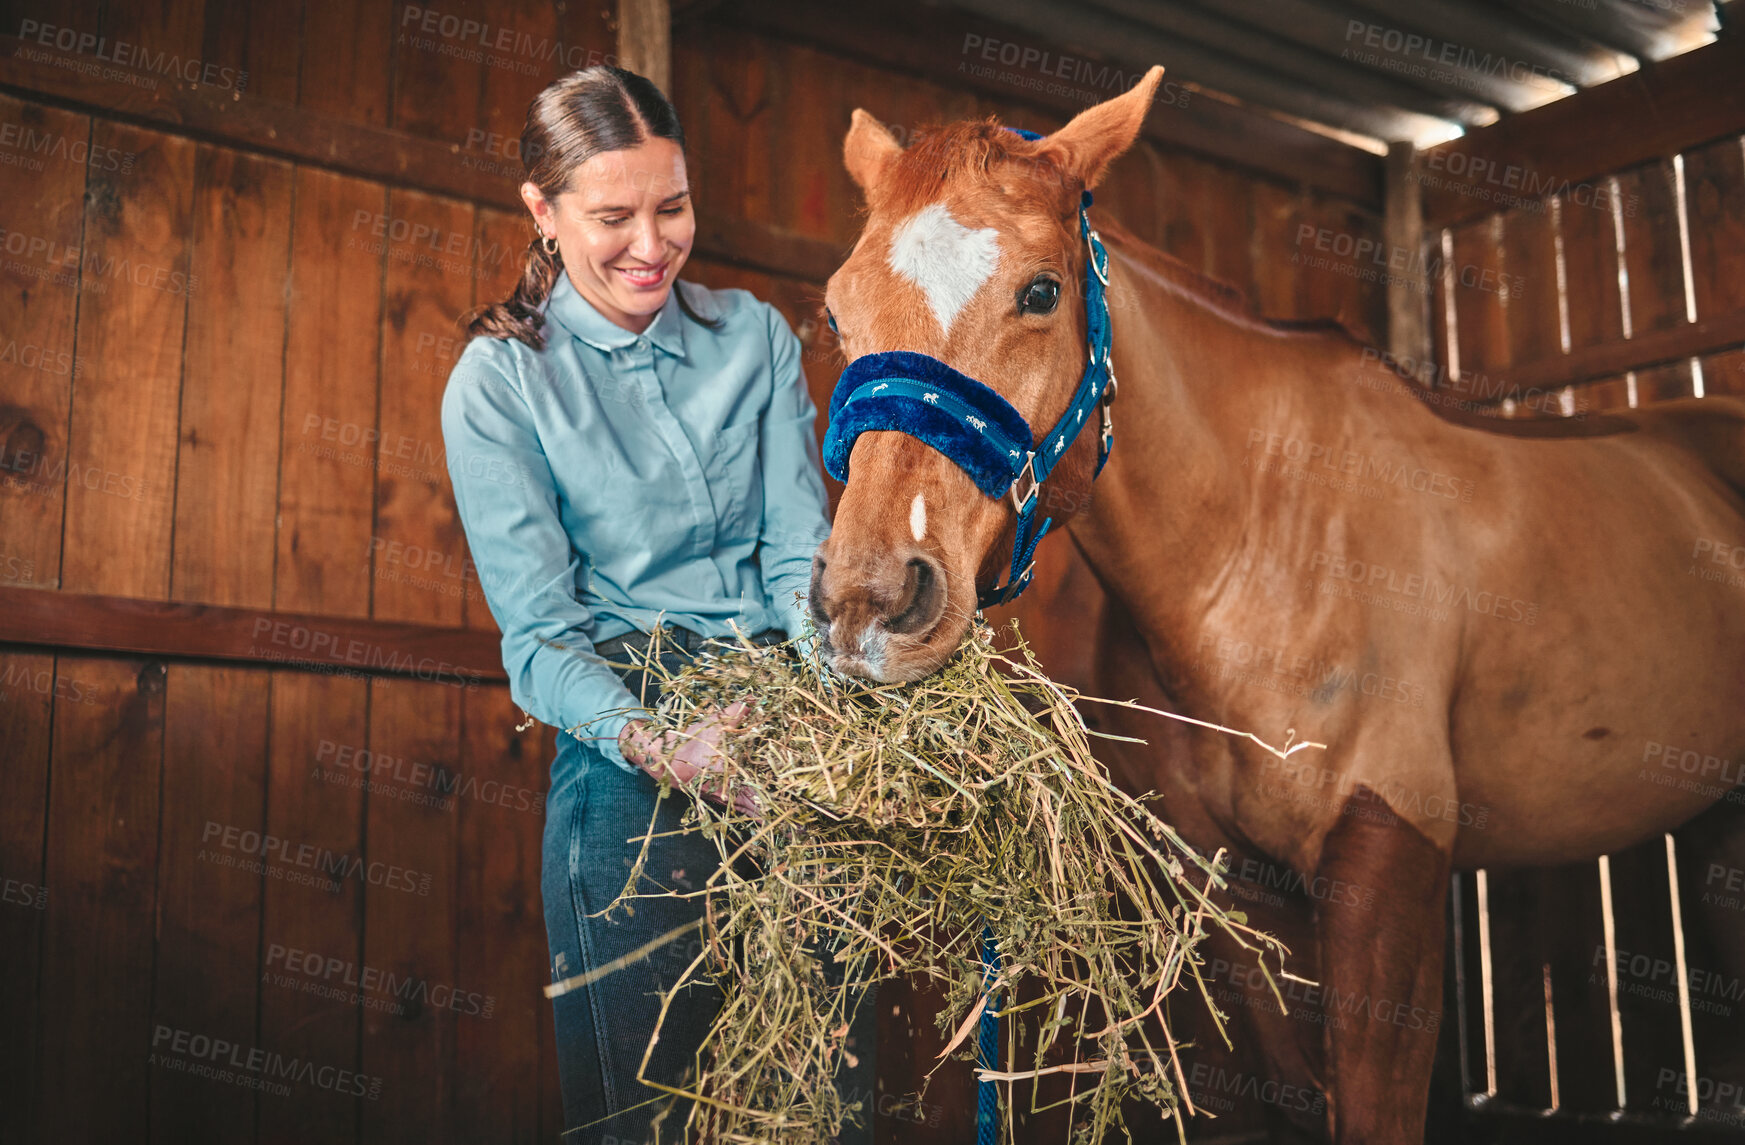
column 549, row 242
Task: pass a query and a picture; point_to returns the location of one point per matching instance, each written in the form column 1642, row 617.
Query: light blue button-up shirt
column 616, row 480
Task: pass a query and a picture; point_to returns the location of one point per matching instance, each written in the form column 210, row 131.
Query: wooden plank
column 207, row 976
column 1647, row 978
column 347, row 65
column 315, row 798
column 934, row 43
column 454, row 657
column 1654, row 261
column 1714, row 194
column 645, row 39
column 28, row 685
column 1481, row 325
column 330, row 440
column 43, row 197
column 325, row 139
column 410, row 925
column 499, row 816
column 1403, row 229
column 438, row 71
column 1590, row 260
column 1337, row 275
column 134, row 288
column 233, row 382
column 1724, row 373
column 1674, row 345
column 101, row 867
column 424, row 290
column 263, row 43
column 1657, row 112
column 1518, row 956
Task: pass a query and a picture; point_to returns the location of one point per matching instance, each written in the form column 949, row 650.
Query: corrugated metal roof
column 1375, row 71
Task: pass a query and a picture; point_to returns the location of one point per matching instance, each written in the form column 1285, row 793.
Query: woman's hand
column 683, row 755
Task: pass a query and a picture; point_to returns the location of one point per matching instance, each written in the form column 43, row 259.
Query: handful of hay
column 899, row 821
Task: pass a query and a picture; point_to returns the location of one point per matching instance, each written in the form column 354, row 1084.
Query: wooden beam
column 1403, row 229
column 1657, row 112
column 463, row 657
column 645, row 40
column 395, row 158
column 935, row 43
column 1610, row 359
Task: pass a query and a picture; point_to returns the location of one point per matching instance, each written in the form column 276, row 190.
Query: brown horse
column 1515, row 608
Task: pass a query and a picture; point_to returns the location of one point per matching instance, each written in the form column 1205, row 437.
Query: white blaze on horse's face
column 947, row 260
column 918, row 518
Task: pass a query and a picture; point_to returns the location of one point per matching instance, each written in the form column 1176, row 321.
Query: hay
column 897, row 821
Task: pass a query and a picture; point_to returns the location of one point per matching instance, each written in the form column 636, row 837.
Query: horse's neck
column 1198, row 381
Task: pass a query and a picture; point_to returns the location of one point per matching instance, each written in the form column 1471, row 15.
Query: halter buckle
column 1022, row 504
column 1095, row 242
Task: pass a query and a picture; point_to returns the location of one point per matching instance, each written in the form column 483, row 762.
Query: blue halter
column 974, row 426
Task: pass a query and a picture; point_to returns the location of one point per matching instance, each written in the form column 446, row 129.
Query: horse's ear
column 1097, row 136
column 868, row 149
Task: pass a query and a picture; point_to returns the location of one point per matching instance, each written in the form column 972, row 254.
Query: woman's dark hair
column 575, row 118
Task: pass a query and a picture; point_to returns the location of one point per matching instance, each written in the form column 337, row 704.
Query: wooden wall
column 1534, row 296
column 227, row 324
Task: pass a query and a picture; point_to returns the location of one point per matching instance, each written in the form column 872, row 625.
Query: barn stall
column 239, row 625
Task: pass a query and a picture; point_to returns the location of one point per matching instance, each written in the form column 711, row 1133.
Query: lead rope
column 988, row 1092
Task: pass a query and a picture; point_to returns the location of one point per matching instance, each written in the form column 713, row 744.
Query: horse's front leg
column 1381, row 971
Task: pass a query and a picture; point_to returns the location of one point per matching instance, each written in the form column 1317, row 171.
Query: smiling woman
column 628, row 454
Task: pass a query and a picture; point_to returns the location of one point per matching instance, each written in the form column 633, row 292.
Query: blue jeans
column 595, row 816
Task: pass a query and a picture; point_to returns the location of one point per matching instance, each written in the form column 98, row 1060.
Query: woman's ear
column 868, row 150
column 539, row 205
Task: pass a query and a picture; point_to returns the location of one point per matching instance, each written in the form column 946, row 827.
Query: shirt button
column 641, row 344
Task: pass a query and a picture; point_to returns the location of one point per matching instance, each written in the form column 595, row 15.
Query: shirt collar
column 578, row 316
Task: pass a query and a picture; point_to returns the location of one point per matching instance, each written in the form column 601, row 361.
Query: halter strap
column 974, row 425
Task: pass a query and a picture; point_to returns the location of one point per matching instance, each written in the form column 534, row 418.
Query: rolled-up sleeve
column 795, row 508
column 526, row 561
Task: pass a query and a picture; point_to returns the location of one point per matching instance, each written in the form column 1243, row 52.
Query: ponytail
column 521, row 315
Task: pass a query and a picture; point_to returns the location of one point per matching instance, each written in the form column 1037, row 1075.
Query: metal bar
column 1608, row 920
column 1690, row 1049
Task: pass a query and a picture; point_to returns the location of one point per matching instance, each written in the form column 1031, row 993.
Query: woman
column 621, row 445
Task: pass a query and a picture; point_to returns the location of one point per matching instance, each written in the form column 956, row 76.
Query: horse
column 1516, row 613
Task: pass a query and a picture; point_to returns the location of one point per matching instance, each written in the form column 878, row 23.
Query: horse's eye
column 830, row 320
column 1040, row 296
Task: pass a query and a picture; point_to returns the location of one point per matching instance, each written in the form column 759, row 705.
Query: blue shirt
column 616, row 480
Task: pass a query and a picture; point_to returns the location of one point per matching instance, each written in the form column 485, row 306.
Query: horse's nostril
column 923, row 597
